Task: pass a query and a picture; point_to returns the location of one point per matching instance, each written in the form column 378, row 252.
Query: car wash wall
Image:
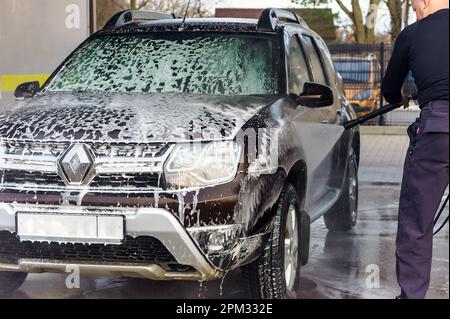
column 35, row 37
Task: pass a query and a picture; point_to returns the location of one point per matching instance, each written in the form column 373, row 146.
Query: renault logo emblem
column 76, row 163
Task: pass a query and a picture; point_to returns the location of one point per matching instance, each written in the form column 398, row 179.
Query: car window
column 326, row 55
column 298, row 69
column 179, row 62
column 316, row 62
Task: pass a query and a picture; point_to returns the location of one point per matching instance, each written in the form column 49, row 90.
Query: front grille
column 21, row 148
column 103, row 181
column 127, row 181
column 106, row 150
column 9, row 177
column 132, row 150
column 31, row 164
column 140, row 250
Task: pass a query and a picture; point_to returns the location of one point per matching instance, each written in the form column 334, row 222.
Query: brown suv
column 170, row 150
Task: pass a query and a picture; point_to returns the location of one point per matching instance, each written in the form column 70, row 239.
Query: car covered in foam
column 174, row 149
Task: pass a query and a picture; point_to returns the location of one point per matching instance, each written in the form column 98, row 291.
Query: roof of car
column 142, row 21
column 201, row 24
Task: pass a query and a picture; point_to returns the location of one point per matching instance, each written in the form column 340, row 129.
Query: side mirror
column 316, row 95
column 27, row 90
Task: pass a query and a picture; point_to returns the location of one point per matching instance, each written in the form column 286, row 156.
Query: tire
column 267, row 277
column 10, row 282
column 344, row 214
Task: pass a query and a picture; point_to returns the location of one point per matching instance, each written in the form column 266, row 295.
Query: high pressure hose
column 439, row 215
column 388, row 108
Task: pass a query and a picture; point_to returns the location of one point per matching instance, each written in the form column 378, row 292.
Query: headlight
column 363, row 95
column 202, row 164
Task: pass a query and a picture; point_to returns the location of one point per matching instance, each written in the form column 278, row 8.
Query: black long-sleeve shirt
column 422, row 48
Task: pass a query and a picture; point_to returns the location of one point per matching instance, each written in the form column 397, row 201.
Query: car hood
column 140, row 118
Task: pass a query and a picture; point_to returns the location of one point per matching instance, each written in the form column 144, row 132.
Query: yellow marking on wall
column 9, row 82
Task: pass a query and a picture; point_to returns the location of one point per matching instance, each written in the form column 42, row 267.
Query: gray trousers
column 425, row 179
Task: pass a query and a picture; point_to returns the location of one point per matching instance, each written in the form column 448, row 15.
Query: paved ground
column 402, row 116
column 340, row 263
column 382, row 158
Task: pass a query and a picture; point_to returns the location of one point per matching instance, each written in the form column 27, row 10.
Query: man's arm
column 397, row 70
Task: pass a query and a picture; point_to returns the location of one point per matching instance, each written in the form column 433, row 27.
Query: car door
column 306, row 122
column 341, row 148
column 327, row 133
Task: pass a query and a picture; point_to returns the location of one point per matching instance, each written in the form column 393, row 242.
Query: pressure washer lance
column 386, row 109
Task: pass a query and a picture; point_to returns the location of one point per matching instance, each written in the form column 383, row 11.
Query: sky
column 382, row 25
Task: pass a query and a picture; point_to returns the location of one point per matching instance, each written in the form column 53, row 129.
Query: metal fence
column 362, row 68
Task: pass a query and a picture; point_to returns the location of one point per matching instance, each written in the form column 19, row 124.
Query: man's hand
column 405, row 102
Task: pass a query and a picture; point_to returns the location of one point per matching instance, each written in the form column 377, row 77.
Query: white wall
column 36, row 35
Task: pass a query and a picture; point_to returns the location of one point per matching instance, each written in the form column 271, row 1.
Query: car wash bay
column 360, row 264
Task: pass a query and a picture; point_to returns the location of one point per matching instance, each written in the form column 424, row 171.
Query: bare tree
column 399, row 11
column 407, row 7
column 197, row 7
column 363, row 25
column 107, row 8
column 137, row 5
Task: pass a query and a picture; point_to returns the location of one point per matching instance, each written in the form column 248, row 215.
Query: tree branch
column 374, row 3
column 143, row 4
column 121, row 4
column 345, row 9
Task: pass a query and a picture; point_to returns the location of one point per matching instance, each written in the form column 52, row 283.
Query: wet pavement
column 359, row 264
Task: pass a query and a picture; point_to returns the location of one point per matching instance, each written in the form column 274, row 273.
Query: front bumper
column 153, row 222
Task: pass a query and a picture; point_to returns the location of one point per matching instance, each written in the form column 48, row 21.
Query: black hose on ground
column 439, row 215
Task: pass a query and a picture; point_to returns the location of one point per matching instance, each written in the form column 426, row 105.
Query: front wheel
column 276, row 274
column 344, row 214
column 10, row 282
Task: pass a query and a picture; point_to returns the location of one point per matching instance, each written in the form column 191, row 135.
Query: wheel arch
column 298, row 177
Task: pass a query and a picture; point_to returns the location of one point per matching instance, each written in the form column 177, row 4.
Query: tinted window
column 298, row 69
column 213, row 64
column 316, row 62
column 325, row 53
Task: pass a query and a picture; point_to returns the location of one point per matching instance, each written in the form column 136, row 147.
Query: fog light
column 216, row 239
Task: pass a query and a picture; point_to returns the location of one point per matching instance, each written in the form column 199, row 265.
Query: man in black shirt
column 423, row 49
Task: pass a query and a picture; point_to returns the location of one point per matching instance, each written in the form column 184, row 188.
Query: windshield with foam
column 212, row 64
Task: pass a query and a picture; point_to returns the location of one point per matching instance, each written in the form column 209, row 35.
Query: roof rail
column 270, row 17
column 129, row 16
